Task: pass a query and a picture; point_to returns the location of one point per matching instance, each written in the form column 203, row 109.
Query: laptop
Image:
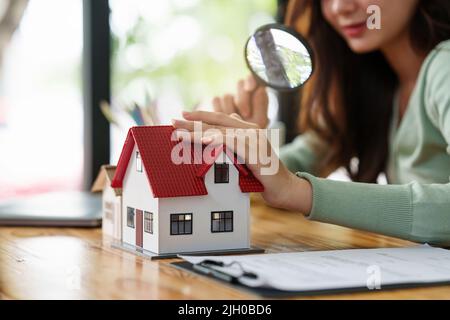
column 55, row 209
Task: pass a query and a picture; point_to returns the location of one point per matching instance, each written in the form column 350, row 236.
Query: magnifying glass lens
column 278, row 57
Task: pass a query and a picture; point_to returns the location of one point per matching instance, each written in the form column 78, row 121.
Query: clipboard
column 276, row 293
column 269, row 293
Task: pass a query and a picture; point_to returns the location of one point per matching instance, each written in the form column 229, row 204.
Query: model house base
column 155, row 256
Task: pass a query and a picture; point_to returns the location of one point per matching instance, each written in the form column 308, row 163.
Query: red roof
column 174, row 180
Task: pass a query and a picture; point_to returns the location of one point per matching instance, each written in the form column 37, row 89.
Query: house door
column 139, row 228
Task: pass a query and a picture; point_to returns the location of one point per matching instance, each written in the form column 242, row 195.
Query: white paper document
column 338, row 269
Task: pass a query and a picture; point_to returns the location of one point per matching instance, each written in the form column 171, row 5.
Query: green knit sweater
column 415, row 205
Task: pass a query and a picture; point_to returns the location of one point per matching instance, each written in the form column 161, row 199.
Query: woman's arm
column 414, row 211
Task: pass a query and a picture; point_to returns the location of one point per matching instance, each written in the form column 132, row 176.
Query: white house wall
column 117, row 223
column 108, row 196
column 221, row 197
column 136, row 193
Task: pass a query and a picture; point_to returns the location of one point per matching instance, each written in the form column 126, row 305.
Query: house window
column 222, row 221
column 108, row 209
column 130, row 217
column 181, row 223
column 148, row 222
column 221, row 173
column 138, row 162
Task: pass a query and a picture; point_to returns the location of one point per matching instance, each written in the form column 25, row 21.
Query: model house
column 111, row 202
column 189, row 207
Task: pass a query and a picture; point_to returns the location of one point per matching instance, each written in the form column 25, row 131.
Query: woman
column 379, row 96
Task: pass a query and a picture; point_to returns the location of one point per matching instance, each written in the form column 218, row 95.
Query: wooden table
column 69, row 263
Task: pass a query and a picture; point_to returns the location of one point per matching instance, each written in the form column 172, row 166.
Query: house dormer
column 221, row 172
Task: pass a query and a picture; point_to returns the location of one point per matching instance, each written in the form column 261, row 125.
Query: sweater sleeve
column 303, row 153
column 413, row 212
column 437, row 91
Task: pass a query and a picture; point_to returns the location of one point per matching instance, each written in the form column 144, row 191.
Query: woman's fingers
column 194, row 130
column 217, row 105
column 228, row 104
column 251, row 103
column 215, row 118
column 224, row 104
column 236, row 116
column 193, row 125
column 199, row 132
column 183, row 124
column 243, row 99
column 249, row 144
column 260, row 100
column 250, row 83
column 218, row 119
column 187, row 131
column 213, row 136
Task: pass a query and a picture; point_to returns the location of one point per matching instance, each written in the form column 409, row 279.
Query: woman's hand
column 250, row 102
column 282, row 188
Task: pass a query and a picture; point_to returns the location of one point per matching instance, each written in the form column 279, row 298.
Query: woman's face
column 350, row 19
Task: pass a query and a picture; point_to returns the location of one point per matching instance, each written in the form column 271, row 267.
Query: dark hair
column 348, row 101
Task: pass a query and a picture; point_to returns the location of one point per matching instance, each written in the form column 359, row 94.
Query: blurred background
column 61, row 59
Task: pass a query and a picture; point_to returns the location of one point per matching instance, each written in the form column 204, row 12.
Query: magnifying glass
column 279, row 57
